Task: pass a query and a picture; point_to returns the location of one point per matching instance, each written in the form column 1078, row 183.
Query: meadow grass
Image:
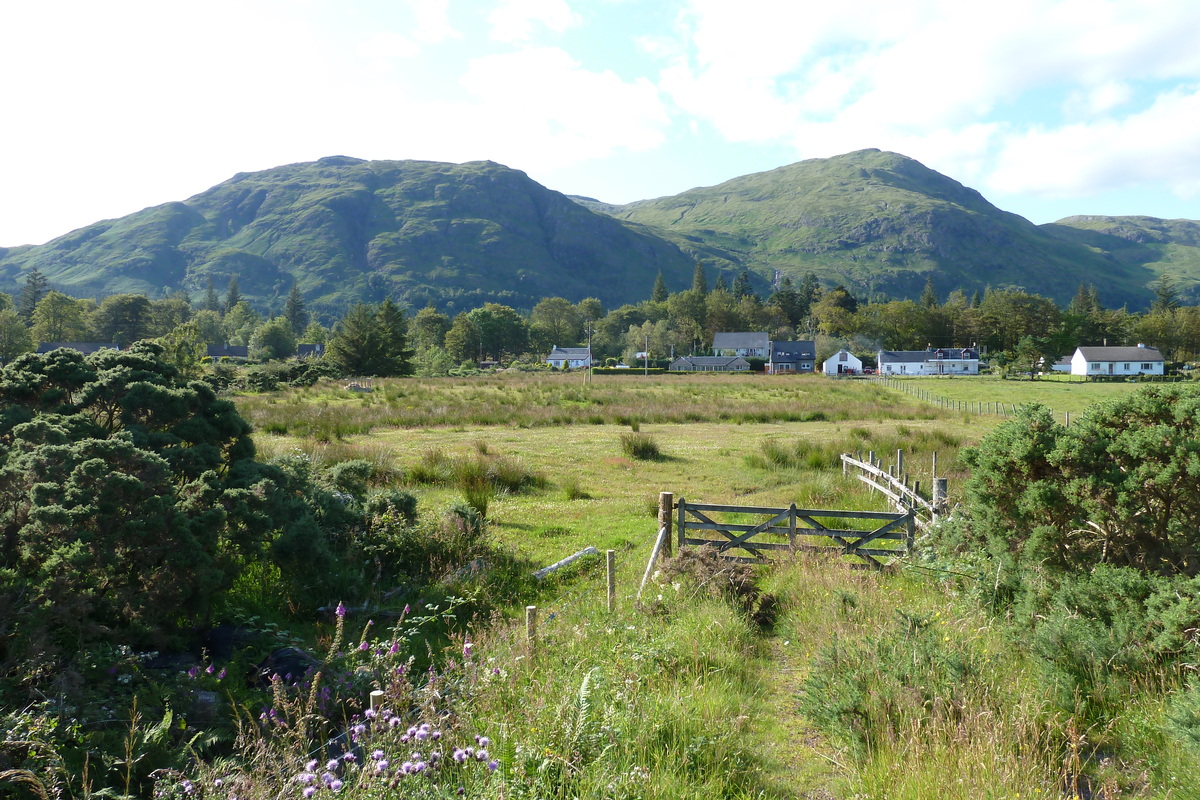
column 1060, row 396
column 680, row 695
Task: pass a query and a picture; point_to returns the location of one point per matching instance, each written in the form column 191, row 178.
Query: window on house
column 1145, row 366
column 1093, row 366
column 1125, row 367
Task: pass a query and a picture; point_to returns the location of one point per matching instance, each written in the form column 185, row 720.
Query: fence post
column 376, row 699
column 939, row 496
column 899, row 462
column 609, row 563
column 531, row 631
column 664, row 520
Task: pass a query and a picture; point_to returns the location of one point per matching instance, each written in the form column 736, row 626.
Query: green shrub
column 641, row 446
column 869, row 692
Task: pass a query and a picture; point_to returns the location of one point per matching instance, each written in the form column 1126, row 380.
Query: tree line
column 1016, row 327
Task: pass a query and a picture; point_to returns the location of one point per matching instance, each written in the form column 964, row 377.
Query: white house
column 573, row 357
column 939, row 361
column 843, row 362
column 747, row 345
column 1095, row 361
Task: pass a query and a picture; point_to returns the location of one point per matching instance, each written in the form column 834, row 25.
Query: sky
column 1048, row 107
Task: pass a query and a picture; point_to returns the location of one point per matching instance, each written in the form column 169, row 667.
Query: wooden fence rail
column 701, row 524
column 893, row 483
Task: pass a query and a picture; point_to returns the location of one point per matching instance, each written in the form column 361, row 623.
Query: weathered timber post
column 665, row 504
column 939, row 497
column 933, row 474
column 376, row 699
column 899, row 462
column 610, row 566
column 1067, row 418
column 531, row 631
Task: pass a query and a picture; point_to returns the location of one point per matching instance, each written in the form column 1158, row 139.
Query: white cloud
column 433, row 21
column 517, row 20
column 944, row 81
column 540, row 106
column 1158, row 145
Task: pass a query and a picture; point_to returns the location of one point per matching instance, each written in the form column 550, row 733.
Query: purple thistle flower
column 340, row 610
column 378, row 755
column 481, row 755
column 483, row 741
column 306, row 777
column 381, row 766
column 309, row 791
column 436, row 735
column 311, row 766
column 406, row 767
column 493, row 765
column 369, row 713
column 187, row 787
column 332, row 764
column 336, row 785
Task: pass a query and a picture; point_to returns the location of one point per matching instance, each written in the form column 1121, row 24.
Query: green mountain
column 1169, row 247
column 343, row 229
column 459, row 235
column 881, row 223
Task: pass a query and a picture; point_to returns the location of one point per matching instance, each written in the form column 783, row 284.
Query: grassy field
column 679, row 695
column 1058, row 394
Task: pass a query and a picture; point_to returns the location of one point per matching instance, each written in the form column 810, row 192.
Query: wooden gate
column 786, row 529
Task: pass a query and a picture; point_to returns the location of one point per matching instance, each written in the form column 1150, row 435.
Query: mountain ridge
column 346, row 230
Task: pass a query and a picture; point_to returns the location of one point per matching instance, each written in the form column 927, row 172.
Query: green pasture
column 678, row 695
column 1059, row 394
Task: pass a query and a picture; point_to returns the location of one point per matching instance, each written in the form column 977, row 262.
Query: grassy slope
column 879, row 221
column 348, row 230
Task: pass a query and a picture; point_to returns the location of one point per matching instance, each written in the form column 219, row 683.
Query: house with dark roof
column 310, row 350
column 800, row 356
column 934, row 361
column 238, row 351
column 573, row 357
column 710, row 364
column 87, row 348
column 1097, row 361
column 746, row 344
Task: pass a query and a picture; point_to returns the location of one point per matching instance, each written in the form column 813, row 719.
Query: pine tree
column 699, row 282
column 233, row 295
column 294, row 311
column 720, row 285
column 211, row 301
column 659, row 293
column 929, row 297
column 36, row 287
column 741, row 286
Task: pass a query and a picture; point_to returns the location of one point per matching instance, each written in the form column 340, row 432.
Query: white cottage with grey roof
column 1097, row 361
column 935, row 361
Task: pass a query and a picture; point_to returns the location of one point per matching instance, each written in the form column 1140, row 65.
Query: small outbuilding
column 710, row 364
column 843, row 362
